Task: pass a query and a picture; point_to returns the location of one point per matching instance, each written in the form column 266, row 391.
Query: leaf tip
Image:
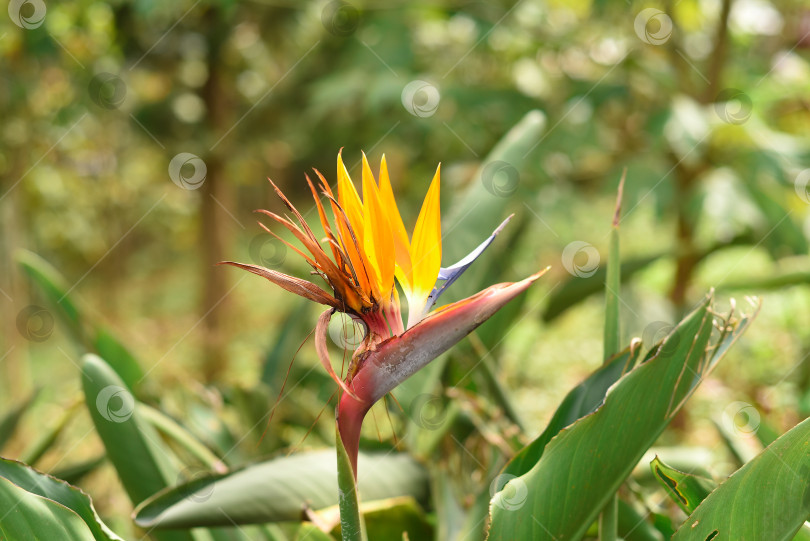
column 620, row 192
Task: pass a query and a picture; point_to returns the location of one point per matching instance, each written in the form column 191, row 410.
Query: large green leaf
column 10, row 420
column 310, row 532
column 40, row 484
column 285, row 345
column 47, row 436
column 450, row 514
column 466, row 229
column 393, row 519
column 24, row 516
column 182, row 437
column 580, row 401
column 634, row 526
column 485, row 203
column 583, row 466
column 277, row 490
column 82, row 329
column 687, row 490
column 133, row 446
column 131, row 443
column 577, row 289
column 119, row 357
column 75, row 471
column 55, row 288
column 768, row 498
column 781, row 231
column 777, row 280
column 464, row 215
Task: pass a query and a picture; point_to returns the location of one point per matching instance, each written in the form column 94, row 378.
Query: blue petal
column 450, row 274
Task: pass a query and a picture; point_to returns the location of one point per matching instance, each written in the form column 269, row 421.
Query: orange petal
column 350, row 244
column 350, row 225
column 304, row 226
column 322, row 261
column 290, row 283
column 308, row 259
column 426, row 243
column 325, row 221
column 349, row 199
column 339, row 280
column 402, row 246
column 379, row 241
column 335, row 239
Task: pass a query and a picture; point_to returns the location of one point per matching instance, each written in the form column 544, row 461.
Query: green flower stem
column 609, row 520
column 351, row 523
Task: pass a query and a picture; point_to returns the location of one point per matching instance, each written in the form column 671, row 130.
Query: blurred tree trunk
column 15, row 384
column 16, row 375
column 686, row 177
column 212, row 234
column 685, row 235
column 718, row 57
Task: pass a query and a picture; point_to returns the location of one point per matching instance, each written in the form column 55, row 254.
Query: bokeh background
column 137, row 138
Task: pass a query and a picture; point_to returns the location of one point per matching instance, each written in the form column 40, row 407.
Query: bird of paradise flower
column 361, row 257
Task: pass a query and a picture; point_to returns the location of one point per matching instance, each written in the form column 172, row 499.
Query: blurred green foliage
column 704, row 103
